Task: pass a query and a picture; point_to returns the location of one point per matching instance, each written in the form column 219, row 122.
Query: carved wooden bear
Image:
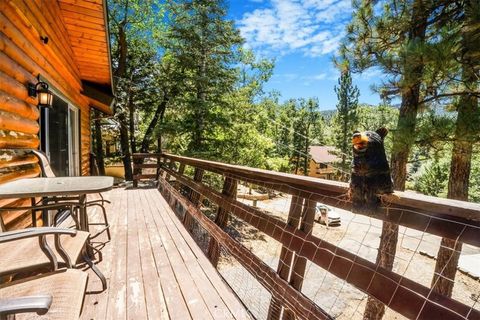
column 370, row 170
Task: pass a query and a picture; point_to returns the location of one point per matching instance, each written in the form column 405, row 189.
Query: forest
column 186, row 84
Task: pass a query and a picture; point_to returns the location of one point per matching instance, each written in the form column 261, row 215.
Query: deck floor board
column 154, row 268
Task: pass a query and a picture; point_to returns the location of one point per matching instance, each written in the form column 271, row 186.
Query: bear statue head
column 368, row 140
column 369, row 152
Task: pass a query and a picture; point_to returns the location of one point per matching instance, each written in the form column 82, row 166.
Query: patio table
column 58, row 187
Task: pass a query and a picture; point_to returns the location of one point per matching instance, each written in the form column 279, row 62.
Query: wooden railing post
column 168, row 164
column 159, row 158
column 300, row 263
column 181, row 171
column 194, row 198
column 229, row 191
column 136, row 172
column 163, row 165
column 286, row 256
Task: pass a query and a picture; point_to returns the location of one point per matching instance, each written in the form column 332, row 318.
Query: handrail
column 434, row 205
column 454, row 219
column 447, row 218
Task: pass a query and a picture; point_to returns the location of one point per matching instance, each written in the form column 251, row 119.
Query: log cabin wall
column 62, row 62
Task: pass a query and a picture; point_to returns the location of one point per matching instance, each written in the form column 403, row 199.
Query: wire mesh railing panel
column 252, row 294
column 296, row 241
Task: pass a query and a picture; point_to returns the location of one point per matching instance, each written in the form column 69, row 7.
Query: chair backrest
column 2, row 225
column 44, row 164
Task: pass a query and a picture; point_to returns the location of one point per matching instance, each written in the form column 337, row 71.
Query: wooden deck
column 154, row 268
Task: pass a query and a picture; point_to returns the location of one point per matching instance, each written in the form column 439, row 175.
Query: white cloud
column 320, row 76
column 294, row 77
column 312, row 27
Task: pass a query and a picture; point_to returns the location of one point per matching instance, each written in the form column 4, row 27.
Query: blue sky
column 303, row 36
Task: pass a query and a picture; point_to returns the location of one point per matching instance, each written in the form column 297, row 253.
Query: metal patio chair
column 56, row 295
column 48, row 173
column 29, row 250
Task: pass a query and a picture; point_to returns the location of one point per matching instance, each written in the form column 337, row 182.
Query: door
column 59, row 135
column 74, row 141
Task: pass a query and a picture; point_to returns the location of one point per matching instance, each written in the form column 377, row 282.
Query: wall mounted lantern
column 40, row 90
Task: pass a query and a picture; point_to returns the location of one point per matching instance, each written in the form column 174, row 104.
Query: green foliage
column 188, row 55
column 433, row 179
column 346, row 118
column 433, row 175
column 474, row 190
column 374, row 117
column 205, row 46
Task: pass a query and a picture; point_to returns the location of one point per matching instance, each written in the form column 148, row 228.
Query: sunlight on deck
column 153, row 267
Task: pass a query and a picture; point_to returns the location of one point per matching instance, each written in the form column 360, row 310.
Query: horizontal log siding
column 22, row 57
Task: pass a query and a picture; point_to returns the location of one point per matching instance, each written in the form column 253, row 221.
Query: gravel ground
column 357, row 234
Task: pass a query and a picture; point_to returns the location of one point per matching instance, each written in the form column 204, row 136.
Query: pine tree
column 131, row 23
column 411, row 41
column 346, row 116
column 467, row 133
column 205, row 45
column 393, row 39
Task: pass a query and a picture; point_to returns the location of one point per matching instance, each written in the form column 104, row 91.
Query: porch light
column 45, row 97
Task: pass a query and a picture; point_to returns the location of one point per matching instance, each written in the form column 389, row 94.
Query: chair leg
column 95, row 269
column 107, row 225
column 105, row 222
column 103, row 200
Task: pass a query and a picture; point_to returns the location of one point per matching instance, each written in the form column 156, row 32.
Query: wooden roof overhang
column 86, row 22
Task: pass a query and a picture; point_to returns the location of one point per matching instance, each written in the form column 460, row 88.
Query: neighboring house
column 322, row 162
column 65, row 44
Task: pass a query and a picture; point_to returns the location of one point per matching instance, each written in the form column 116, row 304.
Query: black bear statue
column 370, row 171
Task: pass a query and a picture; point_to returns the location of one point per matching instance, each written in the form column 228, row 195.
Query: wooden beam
column 193, row 196
column 17, row 106
column 31, row 172
column 146, row 155
column 314, row 186
column 13, row 122
column 14, row 140
column 82, row 4
column 33, row 25
column 300, row 262
column 286, row 256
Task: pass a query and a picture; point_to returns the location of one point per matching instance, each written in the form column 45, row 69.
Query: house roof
column 87, row 28
column 324, row 154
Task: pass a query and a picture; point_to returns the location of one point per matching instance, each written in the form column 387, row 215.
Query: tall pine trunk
column 200, row 108
column 122, row 119
column 131, row 123
column 125, row 147
column 157, row 119
column 466, row 131
column 403, row 140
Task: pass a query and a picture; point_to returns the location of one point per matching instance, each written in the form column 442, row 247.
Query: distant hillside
column 328, row 114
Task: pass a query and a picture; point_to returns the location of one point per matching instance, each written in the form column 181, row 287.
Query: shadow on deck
column 154, row 268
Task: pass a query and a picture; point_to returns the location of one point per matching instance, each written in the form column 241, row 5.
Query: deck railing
column 183, row 183
column 139, row 164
